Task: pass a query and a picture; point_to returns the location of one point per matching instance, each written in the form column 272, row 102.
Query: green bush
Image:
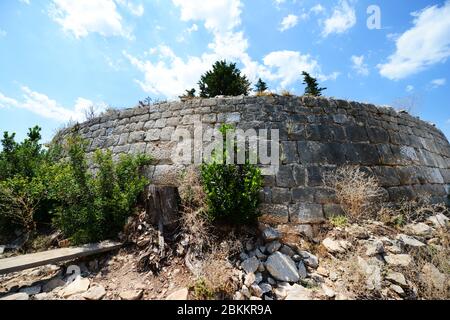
column 23, row 200
column 232, row 190
column 37, row 187
column 94, row 207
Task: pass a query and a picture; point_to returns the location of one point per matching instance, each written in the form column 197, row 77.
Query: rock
column 357, row 231
column 2, row 249
column 287, row 251
column 335, row 246
column 309, row 259
column 238, row 296
column 250, row 265
column 78, row 286
column 256, row 290
column 271, row 281
column 295, row 257
column 281, row 291
column 258, row 277
column 439, row 220
column 42, row 296
column 265, row 287
column 373, row 274
column 95, row 293
column 329, row 293
column 419, row 229
column 249, row 279
column 16, row 296
column 298, row 292
column 260, row 255
column 270, row 234
column 282, row 268
column 394, row 248
column 302, row 270
column 396, row 278
column 53, row 284
column 249, row 245
column 397, row 289
column 273, row 246
column 322, row 271
column 246, row 292
column 31, row 291
column 374, row 247
column 180, row 294
column 432, row 275
column 255, row 298
column 261, row 267
column 402, row 260
column 305, row 230
column 243, row 256
column 131, row 294
column 410, row 241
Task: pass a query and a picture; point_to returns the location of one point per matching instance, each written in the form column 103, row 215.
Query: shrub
column 20, row 198
column 357, row 192
column 93, row 207
column 23, row 200
column 339, row 221
column 224, row 79
column 232, row 191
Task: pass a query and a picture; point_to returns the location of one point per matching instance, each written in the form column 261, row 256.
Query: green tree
column 224, row 79
column 260, row 86
column 312, row 87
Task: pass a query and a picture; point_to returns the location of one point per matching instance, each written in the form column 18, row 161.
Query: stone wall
column 409, row 156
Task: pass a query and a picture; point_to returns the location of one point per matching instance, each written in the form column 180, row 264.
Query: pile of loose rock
column 379, row 254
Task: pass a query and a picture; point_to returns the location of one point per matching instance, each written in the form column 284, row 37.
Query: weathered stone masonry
column 409, row 156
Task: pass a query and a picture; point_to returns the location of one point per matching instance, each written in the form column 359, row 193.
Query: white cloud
column 318, row 8
column 43, row 106
column 288, row 22
column 359, row 66
column 134, row 8
column 409, row 88
column 218, row 16
column 425, row 44
column 3, row 33
column 286, row 67
column 82, row 17
column 192, row 28
column 169, row 75
column 342, row 19
column 438, row 82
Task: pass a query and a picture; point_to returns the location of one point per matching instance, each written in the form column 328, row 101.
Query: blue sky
column 59, row 57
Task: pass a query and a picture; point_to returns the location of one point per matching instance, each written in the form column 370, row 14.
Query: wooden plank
column 33, row 260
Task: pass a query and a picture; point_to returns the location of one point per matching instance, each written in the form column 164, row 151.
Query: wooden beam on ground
column 33, row 260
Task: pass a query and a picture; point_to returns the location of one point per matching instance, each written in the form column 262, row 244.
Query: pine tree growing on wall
column 312, row 87
column 260, row 86
column 224, row 79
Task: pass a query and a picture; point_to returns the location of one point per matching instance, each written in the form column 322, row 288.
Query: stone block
column 306, row 213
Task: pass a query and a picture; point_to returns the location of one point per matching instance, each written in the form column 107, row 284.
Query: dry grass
column 356, row 191
column 264, row 94
column 286, row 93
column 193, row 200
column 217, row 273
column 408, row 211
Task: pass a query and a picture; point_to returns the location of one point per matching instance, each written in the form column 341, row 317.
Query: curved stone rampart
column 410, row 157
